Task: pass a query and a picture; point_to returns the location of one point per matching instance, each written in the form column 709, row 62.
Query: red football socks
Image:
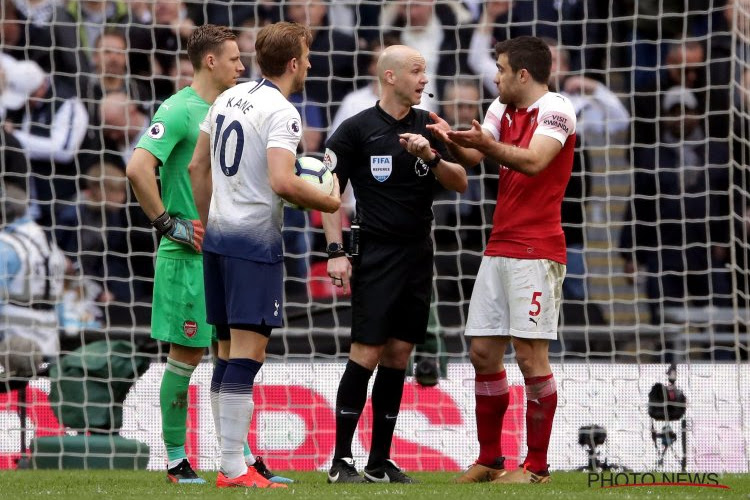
column 541, row 400
column 492, row 397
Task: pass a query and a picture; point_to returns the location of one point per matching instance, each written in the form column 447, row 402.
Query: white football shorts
column 516, row 297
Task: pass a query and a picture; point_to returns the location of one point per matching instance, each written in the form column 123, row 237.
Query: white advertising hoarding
column 294, row 423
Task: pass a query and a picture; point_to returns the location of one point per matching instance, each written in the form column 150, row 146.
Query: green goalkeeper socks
column 173, row 398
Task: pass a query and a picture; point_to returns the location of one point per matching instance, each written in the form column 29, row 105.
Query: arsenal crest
column 190, row 328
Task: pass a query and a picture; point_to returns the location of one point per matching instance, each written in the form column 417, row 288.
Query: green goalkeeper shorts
column 178, row 313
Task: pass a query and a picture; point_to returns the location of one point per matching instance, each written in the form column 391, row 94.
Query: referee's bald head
column 394, row 58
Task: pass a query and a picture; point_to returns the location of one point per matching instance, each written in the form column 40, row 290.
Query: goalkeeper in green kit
column 178, row 314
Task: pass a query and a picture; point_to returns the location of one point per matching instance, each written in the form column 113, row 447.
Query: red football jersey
column 526, row 223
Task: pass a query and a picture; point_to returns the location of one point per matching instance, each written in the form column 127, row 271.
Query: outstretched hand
column 440, row 128
column 472, row 138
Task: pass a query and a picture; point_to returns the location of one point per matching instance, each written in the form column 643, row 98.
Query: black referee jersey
column 394, row 189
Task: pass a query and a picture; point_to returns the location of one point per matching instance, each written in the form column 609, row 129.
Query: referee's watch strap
column 435, row 161
column 335, row 249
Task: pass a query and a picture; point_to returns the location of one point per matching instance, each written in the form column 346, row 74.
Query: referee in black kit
column 393, row 163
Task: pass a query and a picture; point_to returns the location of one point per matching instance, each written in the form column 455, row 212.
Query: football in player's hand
column 315, row 172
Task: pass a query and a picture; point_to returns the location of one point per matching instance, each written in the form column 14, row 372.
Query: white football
column 315, row 172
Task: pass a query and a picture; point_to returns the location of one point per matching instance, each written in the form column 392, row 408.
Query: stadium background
column 614, row 341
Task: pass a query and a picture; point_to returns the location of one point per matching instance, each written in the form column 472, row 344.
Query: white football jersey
column 245, row 216
column 32, row 294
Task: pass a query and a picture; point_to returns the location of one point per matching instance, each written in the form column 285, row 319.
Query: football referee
column 393, row 163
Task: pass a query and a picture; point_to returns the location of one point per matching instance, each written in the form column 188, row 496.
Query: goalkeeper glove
column 187, row 232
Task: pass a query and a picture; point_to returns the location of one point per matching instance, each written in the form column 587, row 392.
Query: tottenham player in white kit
column 241, row 171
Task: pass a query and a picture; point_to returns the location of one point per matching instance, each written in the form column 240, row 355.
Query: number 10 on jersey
column 227, row 138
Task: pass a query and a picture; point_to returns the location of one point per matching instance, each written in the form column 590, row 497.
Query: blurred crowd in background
column 657, row 79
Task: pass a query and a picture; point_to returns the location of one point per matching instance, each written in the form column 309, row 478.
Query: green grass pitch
column 99, row 485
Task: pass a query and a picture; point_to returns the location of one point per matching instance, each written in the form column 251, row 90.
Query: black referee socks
column 350, row 401
column 386, row 401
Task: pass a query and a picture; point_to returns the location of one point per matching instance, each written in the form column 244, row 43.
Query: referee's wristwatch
column 335, row 249
column 435, row 161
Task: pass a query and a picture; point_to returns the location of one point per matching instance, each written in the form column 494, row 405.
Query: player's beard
column 299, row 82
column 504, row 97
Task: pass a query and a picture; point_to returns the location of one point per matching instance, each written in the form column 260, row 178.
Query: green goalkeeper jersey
column 171, row 138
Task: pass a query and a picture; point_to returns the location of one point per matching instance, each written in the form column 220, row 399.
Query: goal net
column 655, row 218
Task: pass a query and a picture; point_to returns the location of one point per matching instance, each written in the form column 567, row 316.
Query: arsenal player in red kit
column 530, row 132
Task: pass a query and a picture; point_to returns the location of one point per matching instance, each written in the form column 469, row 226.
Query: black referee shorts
column 391, row 290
